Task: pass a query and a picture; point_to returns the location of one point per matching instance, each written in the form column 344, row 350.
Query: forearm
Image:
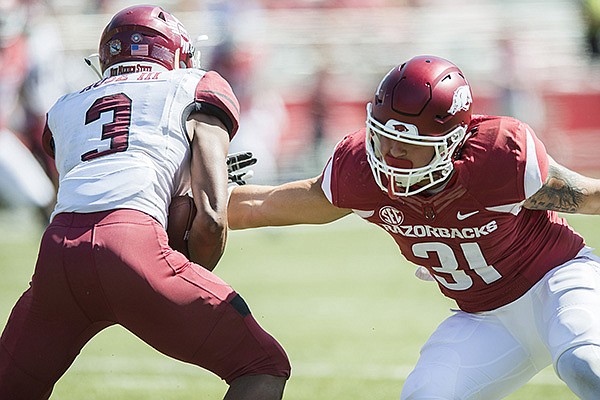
column 209, row 187
column 208, row 234
column 567, row 191
column 206, row 244
column 299, row 202
column 257, row 206
column 590, row 192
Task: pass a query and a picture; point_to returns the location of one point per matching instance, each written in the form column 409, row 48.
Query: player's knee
column 579, row 367
column 260, row 387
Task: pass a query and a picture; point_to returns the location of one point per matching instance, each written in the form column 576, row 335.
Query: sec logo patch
column 391, row 215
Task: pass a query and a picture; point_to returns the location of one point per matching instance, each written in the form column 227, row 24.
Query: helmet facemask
column 402, row 182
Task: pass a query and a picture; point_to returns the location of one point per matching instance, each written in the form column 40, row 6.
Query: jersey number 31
column 449, row 264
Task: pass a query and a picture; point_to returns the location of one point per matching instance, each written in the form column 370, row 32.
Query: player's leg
column 184, row 310
column 46, row 329
column 472, row 356
column 570, row 299
column 256, row 387
column 579, row 367
column 17, row 381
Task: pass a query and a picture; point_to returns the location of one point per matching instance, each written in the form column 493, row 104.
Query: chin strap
column 91, row 65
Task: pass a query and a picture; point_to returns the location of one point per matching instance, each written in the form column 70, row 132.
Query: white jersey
column 122, row 142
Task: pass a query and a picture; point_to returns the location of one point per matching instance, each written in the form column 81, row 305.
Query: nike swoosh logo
column 461, row 216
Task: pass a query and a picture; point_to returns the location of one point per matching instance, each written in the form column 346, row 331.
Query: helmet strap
column 91, row 65
column 177, row 57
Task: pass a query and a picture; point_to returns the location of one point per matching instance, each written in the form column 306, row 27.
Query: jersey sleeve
column 331, row 182
column 536, row 165
column 326, row 181
column 48, row 140
column 347, row 178
column 214, row 96
column 505, row 162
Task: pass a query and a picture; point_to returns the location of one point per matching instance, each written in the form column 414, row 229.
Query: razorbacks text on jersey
column 130, row 148
column 473, row 236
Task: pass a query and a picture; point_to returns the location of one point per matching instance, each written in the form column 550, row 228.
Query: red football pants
column 96, row 270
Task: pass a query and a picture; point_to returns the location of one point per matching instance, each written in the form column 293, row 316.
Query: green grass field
column 340, row 299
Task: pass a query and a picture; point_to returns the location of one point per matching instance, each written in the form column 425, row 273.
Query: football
column 181, row 214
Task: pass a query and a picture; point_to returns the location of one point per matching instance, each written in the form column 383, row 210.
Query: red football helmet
column 427, row 102
column 145, row 38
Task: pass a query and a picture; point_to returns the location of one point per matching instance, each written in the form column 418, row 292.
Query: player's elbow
column 211, row 224
column 207, row 240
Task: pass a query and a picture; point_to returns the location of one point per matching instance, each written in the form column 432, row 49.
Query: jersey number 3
column 117, row 131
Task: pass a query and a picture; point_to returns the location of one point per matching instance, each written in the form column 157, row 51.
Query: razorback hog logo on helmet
column 461, row 100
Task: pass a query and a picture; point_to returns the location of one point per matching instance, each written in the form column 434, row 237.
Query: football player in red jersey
column 473, row 199
column 154, row 127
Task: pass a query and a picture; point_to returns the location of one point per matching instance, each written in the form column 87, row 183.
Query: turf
column 340, row 299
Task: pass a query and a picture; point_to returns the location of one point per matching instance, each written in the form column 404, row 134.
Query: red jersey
column 474, row 237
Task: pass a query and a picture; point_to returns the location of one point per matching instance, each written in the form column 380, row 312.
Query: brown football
column 181, row 214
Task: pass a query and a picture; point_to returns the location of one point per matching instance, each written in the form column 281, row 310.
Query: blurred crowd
column 291, row 129
column 31, row 80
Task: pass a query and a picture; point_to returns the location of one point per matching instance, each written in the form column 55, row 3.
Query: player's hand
column 423, row 274
column 238, row 167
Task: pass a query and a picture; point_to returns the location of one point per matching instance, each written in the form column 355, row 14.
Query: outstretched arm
column 566, row 191
column 299, row 202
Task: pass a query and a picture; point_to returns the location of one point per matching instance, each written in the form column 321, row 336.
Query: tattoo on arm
column 561, row 192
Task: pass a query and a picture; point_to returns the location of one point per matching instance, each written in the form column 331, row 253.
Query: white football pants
column 491, row 354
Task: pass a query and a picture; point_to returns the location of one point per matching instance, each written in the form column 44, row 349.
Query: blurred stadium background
column 303, row 70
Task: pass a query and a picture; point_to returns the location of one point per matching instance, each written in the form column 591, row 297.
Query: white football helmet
column 426, row 102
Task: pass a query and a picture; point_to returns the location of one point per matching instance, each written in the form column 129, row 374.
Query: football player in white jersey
column 154, row 127
column 473, row 201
